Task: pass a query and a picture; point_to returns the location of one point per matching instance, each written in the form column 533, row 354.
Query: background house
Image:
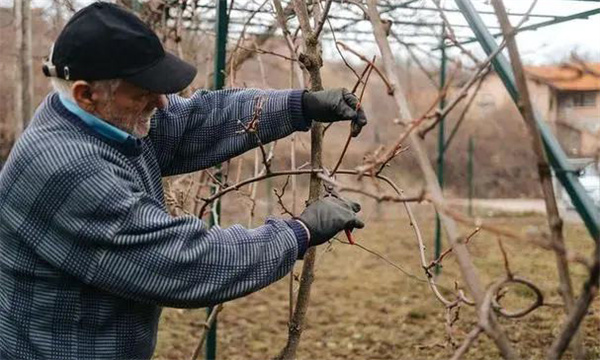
column 567, row 97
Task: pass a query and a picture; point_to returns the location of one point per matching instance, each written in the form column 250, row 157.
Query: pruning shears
column 331, row 191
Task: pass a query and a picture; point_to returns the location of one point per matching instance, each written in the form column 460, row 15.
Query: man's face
column 130, row 108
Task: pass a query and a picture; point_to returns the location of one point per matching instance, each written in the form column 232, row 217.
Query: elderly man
column 89, row 254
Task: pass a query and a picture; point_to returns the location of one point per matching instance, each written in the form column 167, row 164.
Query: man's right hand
column 326, row 217
column 334, row 105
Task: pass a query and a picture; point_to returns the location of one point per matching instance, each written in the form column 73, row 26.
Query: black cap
column 104, row 41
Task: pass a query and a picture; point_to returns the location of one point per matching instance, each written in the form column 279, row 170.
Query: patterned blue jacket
column 88, row 252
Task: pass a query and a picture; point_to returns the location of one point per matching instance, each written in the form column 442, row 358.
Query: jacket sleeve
column 206, row 129
column 104, row 231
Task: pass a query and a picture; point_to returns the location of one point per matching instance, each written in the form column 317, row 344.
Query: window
column 584, row 98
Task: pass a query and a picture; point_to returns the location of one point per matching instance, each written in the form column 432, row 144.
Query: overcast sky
column 554, row 42
column 548, row 44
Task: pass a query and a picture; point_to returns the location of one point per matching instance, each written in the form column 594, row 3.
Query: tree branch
column 462, row 255
column 526, row 108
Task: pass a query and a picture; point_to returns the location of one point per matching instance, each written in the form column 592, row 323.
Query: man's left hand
column 334, row 105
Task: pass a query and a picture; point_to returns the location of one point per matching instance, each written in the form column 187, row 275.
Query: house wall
column 493, row 94
column 570, row 124
column 590, row 144
column 570, row 139
column 585, row 119
column 543, row 98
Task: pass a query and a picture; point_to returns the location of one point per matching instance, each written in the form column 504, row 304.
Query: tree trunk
column 24, row 68
column 311, row 58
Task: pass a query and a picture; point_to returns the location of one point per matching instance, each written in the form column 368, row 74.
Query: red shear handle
column 349, row 236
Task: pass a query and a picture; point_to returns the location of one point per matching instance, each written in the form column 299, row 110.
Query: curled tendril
column 539, row 298
column 490, row 302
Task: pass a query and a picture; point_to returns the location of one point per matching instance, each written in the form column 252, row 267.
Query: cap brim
column 168, row 76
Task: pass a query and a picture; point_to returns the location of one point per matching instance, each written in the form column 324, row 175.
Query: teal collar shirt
column 98, row 125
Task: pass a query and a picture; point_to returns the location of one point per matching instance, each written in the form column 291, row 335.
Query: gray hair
column 64, row 87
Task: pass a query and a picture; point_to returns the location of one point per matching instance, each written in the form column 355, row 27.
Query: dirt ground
column 363, row 308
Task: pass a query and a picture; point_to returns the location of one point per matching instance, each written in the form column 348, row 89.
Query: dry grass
column 363, row 308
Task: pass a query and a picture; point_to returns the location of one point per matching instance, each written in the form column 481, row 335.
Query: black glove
column 326, row 217
column 334, row 105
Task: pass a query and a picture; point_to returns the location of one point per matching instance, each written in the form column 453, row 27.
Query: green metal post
column 219, row 82
column 440, row 159
column 220, row 44
column 470, row 174
column 558, row 160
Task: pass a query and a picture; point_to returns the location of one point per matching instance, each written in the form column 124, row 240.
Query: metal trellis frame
column 557, row 20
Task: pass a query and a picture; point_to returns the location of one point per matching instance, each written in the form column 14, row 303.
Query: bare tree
column 311, row 59
column 24, row 68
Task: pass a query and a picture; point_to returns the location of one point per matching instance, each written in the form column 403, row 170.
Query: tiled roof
column 571, row 76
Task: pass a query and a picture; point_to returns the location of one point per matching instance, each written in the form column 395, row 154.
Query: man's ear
column 83, row 96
